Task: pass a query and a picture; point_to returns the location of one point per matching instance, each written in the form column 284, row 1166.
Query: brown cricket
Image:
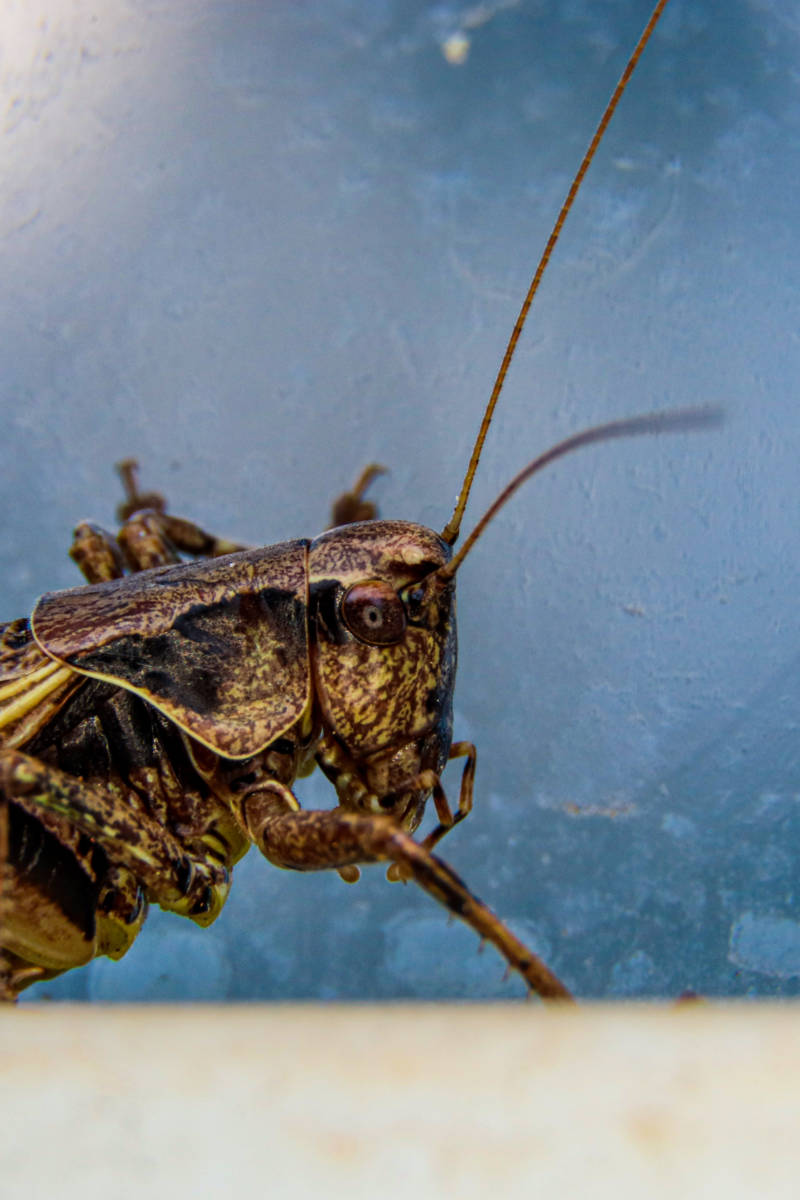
column 152, row 723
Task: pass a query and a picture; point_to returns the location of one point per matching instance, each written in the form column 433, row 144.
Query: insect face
column 384, row 649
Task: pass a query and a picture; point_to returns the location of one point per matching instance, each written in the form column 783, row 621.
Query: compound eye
column 374, row 613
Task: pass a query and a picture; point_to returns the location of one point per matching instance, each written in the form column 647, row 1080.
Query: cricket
column 154, row 721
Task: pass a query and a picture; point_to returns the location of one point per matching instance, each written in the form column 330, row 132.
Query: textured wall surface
column 260, row 245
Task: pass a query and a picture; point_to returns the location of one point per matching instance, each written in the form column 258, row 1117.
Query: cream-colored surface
column 403, row 1101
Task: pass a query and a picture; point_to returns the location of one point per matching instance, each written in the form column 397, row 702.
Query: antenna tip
column 689, row 420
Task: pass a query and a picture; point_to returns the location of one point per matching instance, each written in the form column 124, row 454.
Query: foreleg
column 312, row 841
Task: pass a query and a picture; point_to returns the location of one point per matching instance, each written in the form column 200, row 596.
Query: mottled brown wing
column 220, row 647
column 33, row 686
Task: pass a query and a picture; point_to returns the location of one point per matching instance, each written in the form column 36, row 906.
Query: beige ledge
column 462, row 1101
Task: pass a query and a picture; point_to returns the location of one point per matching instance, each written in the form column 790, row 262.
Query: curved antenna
column 677, row 420
column 453, row 526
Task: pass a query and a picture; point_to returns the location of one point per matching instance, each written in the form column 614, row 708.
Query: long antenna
column 676, row 420
column 453, row 526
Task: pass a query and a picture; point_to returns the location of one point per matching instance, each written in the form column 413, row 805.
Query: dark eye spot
column 374, row 613
column 414, row 598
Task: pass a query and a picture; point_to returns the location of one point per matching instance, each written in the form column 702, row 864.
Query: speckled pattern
column 376, row 695
column 220, row 647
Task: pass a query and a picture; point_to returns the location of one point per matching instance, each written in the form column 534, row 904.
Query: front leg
column 313, row 841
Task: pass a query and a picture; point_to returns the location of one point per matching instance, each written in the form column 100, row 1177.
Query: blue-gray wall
column 258, row 245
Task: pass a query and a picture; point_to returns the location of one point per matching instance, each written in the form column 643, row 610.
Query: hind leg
column 47, row 923
column 149, row 536
column 351, row 506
